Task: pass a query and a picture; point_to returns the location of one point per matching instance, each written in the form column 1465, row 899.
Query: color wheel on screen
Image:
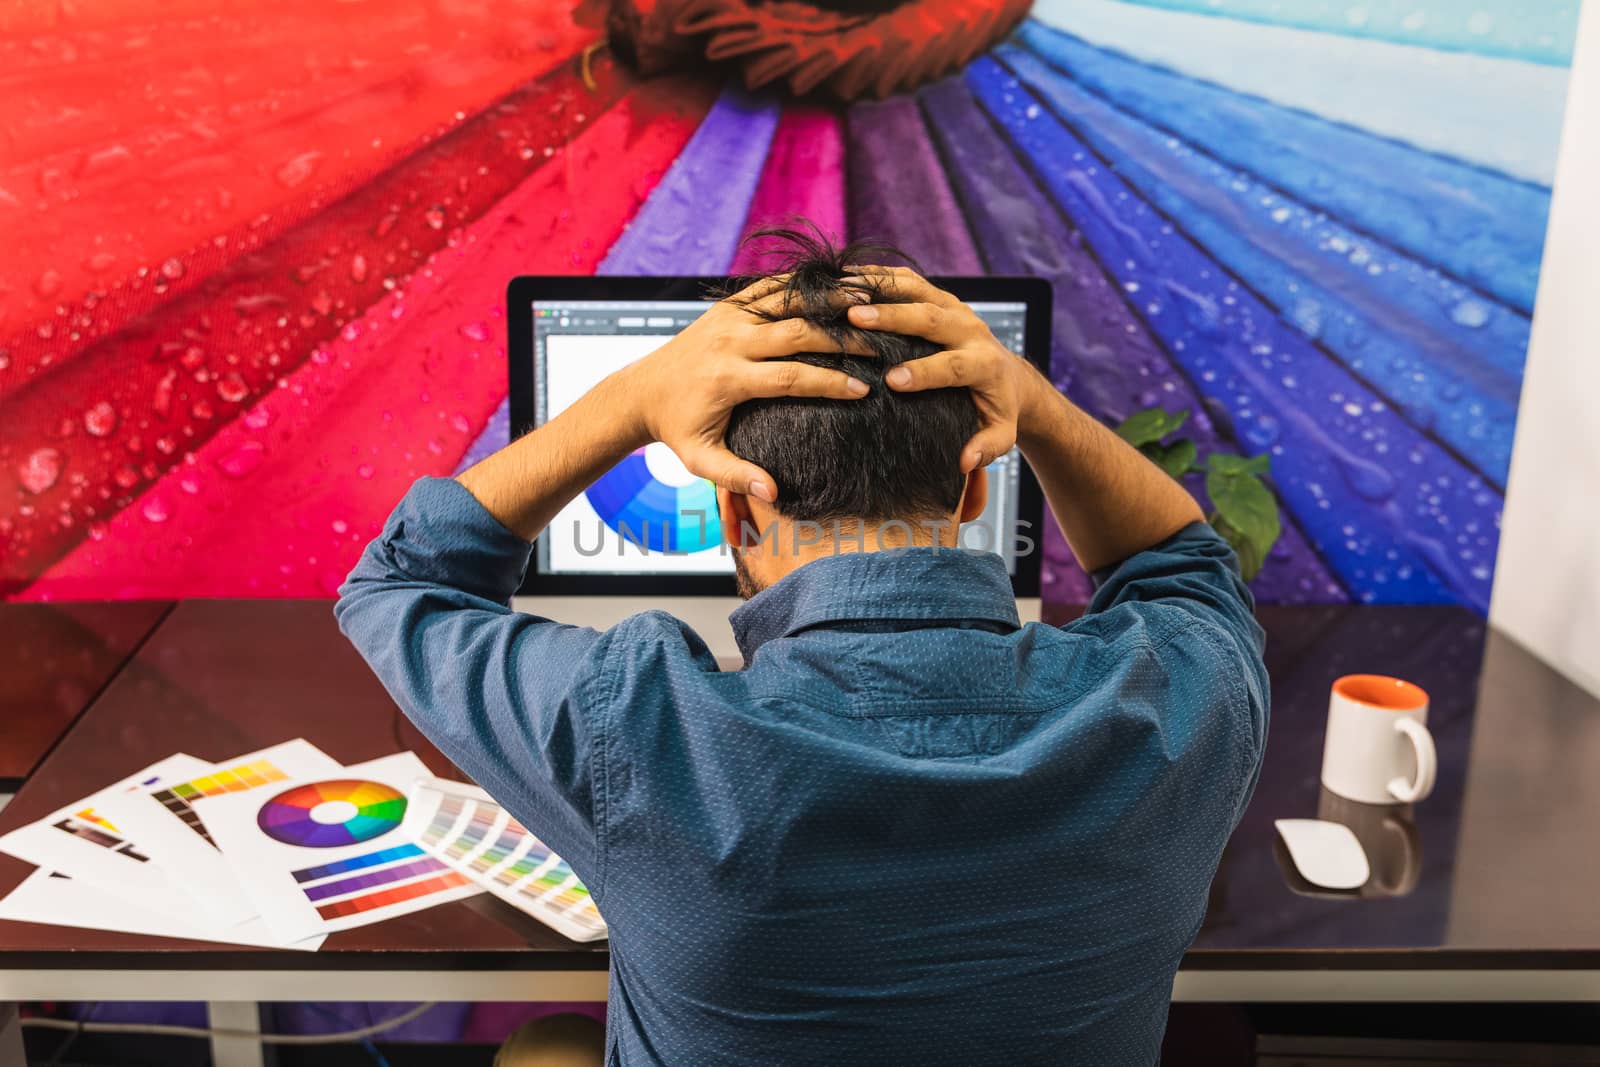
column 329, row 814
column 651, row 499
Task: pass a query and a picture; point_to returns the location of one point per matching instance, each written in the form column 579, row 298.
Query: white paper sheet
column 463, row 826
column 42, row 898
column 85, row 842
column 170, row 821
column 327, row 853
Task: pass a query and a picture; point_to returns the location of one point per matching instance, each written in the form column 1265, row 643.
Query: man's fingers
column 988, row 445
column 759, row 288
column 729, row 471
column 903, row 285
column 941, row 325
column 784, row 303
column 790, row 337
column 942, row 370
column 802, row 379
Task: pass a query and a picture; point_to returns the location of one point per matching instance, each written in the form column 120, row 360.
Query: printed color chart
column 322, row 853
column 179, row 799
column 466, row 829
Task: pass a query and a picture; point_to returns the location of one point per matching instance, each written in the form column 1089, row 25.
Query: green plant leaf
column 1151, row 424
column 1222, row 463
column 1178, row 458
column 1246, row 502
column 1244, row 505
column 1252, row 557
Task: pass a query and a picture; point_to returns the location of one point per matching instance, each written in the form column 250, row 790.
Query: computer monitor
column 649, row 527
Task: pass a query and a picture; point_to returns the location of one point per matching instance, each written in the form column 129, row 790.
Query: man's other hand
column 1005, row 387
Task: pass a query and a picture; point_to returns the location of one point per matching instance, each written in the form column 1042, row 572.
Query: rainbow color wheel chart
column 651, row 499
column 330, row 814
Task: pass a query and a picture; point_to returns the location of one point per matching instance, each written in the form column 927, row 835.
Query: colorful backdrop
column 257, row 252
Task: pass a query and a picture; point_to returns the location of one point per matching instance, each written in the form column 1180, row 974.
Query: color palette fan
column 330, row 814
column 464, row 827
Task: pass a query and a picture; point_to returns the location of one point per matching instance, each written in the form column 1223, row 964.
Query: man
column 910, row 831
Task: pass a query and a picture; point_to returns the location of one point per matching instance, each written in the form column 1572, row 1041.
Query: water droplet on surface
column 101, row 419
column 1368, row 480
column 155, row 509
column 104, row 159
column 434, row 216
column 172, row 269
column 475, row 331
column 358, row 268
column 385, row 224
column 258, row 418
column 126, row 477
column 298, row 169
column 49, row 283
column 1470, row 313
column 162, row 401
column 242, row 460
column 100, row 261
column 40, row 470
column 340, row 526
column 365, row 470
column 232, row 388
column 459, row 424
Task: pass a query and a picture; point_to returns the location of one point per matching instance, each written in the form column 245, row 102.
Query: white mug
column 1378, row 749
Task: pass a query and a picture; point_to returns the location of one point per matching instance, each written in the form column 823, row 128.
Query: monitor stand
column 706, row 615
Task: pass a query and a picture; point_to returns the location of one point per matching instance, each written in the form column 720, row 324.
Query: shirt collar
column 912, row 584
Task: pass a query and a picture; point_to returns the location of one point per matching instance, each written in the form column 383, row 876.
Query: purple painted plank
column 898, row 191
column 692, row 220
column 1103, row 357
column 496, row 435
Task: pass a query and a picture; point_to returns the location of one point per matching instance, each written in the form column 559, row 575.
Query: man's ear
column 733, row 511
column 976, row 495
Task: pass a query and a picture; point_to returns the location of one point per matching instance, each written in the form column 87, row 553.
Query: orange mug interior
column 1381, row 691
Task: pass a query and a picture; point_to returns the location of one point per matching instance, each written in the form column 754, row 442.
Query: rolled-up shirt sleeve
column 509, row 697
column 1190, row 588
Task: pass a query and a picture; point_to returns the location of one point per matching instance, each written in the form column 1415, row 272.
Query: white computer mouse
column 1325, row 853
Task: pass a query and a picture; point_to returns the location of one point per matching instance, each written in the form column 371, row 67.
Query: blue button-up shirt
column 910, row 831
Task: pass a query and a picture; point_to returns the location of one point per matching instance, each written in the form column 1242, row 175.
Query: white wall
column 1547, row 580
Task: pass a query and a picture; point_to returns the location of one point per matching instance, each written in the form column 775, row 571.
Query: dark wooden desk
column 54, row 660
column 1501, row 908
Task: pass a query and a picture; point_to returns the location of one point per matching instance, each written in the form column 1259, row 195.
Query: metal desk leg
column 236, row 1051
column 11, row 1051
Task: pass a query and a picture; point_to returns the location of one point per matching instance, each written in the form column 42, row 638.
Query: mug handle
column 1427, row 763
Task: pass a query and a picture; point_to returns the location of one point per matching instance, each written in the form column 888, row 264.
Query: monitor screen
column 649, row 515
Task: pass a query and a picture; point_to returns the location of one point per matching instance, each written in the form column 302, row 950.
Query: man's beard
column 744, row 581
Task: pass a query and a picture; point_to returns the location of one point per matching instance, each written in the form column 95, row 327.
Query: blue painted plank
column 1449, row 357
column 1103, row 356
column 1482, row 227
column 1400, row 520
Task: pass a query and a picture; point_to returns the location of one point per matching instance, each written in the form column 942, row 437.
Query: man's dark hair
column 886, row 456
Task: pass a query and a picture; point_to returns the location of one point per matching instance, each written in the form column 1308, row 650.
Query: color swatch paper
column 319, row 854
column 171, row 821
column 91, row 842
column 46, row 898
column 462, row 827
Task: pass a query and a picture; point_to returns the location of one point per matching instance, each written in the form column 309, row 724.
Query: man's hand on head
column 1006, row 389
column 683, row 393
